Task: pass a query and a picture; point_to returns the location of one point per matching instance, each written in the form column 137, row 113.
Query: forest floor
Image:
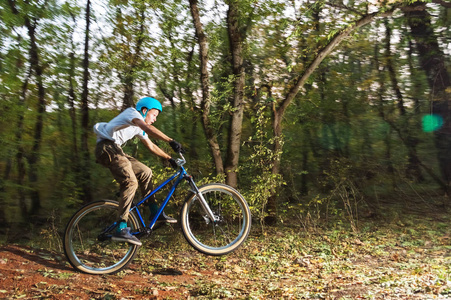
column 401, row 257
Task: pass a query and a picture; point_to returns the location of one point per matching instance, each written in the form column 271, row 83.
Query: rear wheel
column 228, row 232
column 87, row 239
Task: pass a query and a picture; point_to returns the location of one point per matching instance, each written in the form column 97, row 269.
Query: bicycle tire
column 90, row 252
column 223, row 236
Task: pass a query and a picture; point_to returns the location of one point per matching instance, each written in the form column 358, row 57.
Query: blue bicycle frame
column 179, row 175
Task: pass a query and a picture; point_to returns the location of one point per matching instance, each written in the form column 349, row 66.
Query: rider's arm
column 151, row 130
column 155, row 149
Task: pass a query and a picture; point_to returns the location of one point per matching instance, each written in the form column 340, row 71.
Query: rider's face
column 152, row 116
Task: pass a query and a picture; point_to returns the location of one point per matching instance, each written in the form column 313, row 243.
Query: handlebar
column 180, row 161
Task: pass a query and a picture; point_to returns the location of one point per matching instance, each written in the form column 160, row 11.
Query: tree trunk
column 271, row 206
column 236, row 45
column 178, row 84
column 206, row 97
column 432, row 60
column 192, row 105
column 85, row 157
column 391, row 70
column 417, row 91
column 35, row 65
column 34, row 157
column 71, row 99
column 129, row 91
column 3, row 221
column 413, row 170
column 21, row 171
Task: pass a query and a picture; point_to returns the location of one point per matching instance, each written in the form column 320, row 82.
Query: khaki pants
column 127, row 171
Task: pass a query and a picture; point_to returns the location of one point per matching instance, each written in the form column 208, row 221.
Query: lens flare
column 432, row 123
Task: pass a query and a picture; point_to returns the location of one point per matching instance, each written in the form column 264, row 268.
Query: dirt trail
column 405, row 259
column 27, row 273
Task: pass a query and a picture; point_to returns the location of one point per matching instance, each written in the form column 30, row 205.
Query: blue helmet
column 149, row 103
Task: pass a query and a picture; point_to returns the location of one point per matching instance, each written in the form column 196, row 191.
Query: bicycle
column 215, row 220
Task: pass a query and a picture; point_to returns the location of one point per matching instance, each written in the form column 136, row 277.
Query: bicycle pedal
column 144, row 233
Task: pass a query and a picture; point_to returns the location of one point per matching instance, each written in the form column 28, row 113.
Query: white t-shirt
column 121, row 128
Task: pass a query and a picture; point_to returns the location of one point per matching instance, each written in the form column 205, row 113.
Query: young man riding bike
column 128, row 171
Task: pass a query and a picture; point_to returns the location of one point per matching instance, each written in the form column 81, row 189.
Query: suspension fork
column 201, row 198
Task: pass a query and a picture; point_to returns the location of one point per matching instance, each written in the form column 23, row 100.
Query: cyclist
column 128, row 171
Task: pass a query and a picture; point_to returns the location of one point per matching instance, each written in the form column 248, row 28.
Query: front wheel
column 231, row 228
column 87, row 239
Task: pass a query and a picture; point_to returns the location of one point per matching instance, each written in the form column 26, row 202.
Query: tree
column 31, row 23
column 206, row 96
column 433, row 62
column 237, row 28
column 85, row 128
column 413, row 171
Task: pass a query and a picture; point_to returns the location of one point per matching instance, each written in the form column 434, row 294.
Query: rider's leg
column 123, row 173
column 111, row 156
column 144, row 176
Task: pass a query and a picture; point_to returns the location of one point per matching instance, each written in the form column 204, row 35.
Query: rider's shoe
column 124, row 236
column 163, row 218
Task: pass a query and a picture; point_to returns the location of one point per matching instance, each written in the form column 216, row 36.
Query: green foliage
column 263, row 183
column 339, row 155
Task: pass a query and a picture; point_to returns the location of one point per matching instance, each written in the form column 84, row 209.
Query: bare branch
column 324, row 52
column 342, row 6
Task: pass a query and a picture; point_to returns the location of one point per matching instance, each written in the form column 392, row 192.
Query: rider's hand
column 173, row 163
column 176, row 146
